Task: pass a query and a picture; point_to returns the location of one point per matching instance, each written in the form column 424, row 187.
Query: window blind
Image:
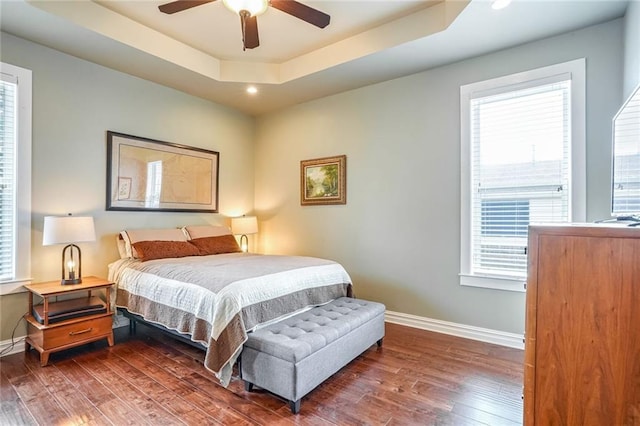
column 8, row 142
column 626, row 161
column 520, row 171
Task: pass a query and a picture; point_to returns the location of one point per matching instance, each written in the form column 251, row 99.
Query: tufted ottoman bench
column 293, row 356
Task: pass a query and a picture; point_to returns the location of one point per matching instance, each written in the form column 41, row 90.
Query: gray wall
column 74, row 103
column 398, row 235
column 631, row 48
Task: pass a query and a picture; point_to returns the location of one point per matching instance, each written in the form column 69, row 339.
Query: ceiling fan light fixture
column 248, row 11
column 254, row 7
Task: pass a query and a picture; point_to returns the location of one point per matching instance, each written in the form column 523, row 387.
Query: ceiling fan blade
column 250, row 32
column 301, row 11
column 180, row 5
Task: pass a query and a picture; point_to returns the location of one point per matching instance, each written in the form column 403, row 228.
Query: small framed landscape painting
column 323, row 181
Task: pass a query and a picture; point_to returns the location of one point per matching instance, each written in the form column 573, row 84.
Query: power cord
column 13, row 342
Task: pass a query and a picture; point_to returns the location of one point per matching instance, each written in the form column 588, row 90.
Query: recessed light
column 500, row 4
column 252, row 90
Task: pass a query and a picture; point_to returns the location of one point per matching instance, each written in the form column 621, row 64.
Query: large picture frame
column 150, row 175
column 323, row 181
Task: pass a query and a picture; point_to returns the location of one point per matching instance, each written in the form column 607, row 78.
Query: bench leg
column 248, row 386
column 379, row 342
column 295, row 406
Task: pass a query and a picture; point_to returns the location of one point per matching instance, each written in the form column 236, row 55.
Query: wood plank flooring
column 416, row 378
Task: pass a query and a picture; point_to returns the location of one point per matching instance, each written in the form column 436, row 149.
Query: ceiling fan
column 248, row 10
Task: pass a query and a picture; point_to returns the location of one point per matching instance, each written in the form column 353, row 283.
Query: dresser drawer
column 76, row 332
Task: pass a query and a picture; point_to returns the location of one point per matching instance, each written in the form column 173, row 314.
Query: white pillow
column 122, row 246
column 202, row 231
column 132, row 236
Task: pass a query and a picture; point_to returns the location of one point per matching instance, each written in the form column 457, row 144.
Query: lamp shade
column 67, row 229
column 244, row 225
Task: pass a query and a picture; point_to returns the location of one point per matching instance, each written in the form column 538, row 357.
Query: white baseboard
column 496, row 337
column 18, row 346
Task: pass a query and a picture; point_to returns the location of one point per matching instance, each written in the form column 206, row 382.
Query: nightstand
column 55, row 326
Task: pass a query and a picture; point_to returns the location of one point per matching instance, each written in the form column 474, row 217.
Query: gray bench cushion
column 293, row 356
column 296, row 338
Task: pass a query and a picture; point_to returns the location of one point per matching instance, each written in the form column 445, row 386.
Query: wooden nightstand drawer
column 62, row 335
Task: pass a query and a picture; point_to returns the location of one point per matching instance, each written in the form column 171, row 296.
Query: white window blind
column 15, row 177
column 522, row 161
column 626, row 158
column 8, row 142
column 520, row 149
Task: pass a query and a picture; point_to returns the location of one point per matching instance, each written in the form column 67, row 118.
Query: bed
column 195, row 281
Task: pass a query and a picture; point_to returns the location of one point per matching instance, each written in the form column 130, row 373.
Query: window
column 626, row 158
column 15, row 177
column 522, row 162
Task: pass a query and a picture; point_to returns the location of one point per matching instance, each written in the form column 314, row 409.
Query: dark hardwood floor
column 417, row 377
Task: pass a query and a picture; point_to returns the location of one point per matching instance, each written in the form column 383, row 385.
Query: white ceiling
column 199, row 51
column 215, row 30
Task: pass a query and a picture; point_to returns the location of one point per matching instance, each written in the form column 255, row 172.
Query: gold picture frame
column 323, row 181
column 149, row 175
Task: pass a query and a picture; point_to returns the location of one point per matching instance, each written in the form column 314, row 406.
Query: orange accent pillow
column 149, row 250
column 216, row 245
column 136, row 235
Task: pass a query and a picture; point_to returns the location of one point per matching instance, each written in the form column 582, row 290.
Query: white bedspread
column 224, row 294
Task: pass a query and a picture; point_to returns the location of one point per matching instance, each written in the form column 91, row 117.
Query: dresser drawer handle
column 75, row 333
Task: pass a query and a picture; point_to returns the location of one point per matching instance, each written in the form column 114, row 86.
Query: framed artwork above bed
column 323, row 181
column 149, row 175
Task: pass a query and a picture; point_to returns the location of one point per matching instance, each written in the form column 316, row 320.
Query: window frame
column 22, row 248
column 577, row 202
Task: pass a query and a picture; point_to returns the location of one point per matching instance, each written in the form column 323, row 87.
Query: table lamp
column 242, row 226
column 69, row 230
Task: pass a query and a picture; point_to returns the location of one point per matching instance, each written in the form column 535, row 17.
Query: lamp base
column 244, row 243
column 69, row 275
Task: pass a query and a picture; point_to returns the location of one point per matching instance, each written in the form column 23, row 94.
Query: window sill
column 494, row 283
column 13, row 287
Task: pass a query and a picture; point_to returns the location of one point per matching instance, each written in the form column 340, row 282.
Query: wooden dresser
column 582, row 341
